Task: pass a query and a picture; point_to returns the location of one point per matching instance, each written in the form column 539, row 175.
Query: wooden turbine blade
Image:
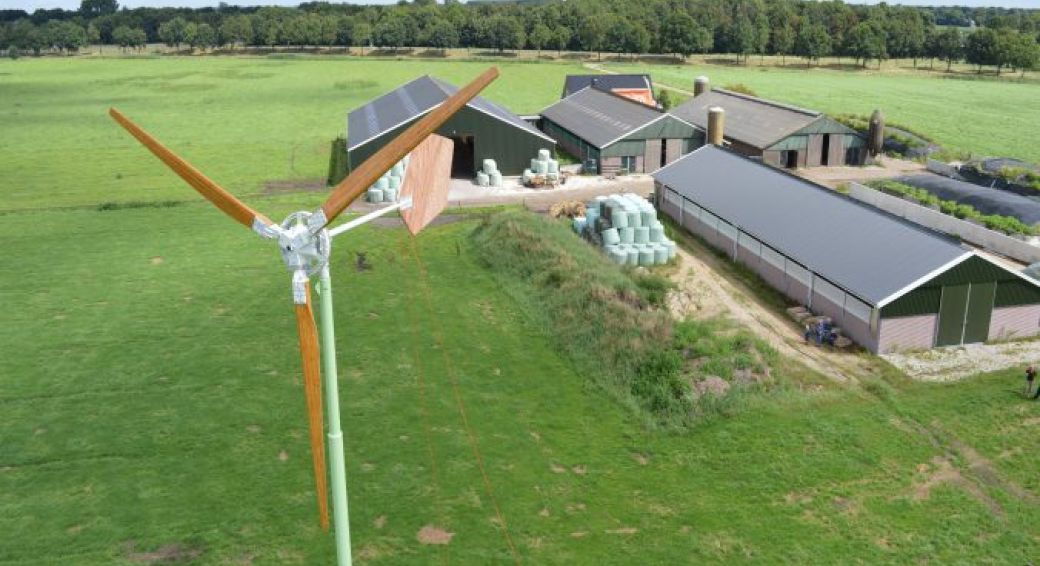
column 362, row 177
column 207, row 188
column 312, row 390
column 427, row 180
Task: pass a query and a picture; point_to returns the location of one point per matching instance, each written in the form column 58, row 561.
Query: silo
column 876, row 133
column 716, row 125
column 701, row 85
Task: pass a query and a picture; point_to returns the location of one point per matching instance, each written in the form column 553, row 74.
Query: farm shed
column 890, row 284
column 781, row 135
column 482, row 130
column 636, row 87
column 610, row 133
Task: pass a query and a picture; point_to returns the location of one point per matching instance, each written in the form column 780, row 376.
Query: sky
column 30, row 5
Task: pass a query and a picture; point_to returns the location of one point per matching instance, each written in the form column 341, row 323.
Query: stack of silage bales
column 628, row 229
column 543, row 165
column 388, row 187
column 489, row 175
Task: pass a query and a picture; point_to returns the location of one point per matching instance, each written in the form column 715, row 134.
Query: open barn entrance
column 462, row 160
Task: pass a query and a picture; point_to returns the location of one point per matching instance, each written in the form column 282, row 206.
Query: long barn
column 890, row 284
column 481, row 130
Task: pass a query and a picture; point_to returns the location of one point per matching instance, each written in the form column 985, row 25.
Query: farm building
column 888, row 283
column 610, row 133
column 636, row 87
column 781, row 135
column 481, row 130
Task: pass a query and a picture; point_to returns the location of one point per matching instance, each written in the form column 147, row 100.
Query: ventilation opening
column 791, row 160
column 825, row 151
column 664, row 153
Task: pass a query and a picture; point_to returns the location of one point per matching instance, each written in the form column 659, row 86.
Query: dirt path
column 957, row 362
column 708, row 289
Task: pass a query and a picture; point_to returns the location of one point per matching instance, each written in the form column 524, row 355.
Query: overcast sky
column 30, row 5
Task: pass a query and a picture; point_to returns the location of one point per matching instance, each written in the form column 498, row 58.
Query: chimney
column 701, row 85
column 716, row 125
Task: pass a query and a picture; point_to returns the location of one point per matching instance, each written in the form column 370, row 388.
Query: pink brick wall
column 906, row 333
column 1014, row 322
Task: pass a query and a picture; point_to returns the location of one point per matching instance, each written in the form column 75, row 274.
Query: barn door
column 980, row 307
column 952, row 308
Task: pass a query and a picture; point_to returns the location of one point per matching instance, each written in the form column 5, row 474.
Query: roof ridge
column 766, row 101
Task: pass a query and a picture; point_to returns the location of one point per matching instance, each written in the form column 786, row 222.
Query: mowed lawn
column 153, row 407
column 242, row 121
column 151, row 404
column 986, row 117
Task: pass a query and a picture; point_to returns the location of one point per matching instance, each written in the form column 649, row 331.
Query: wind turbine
column 304, row 240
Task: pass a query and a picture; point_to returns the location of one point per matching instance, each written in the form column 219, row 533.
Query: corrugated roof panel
column 754, row 121
column 868, row 252
column 411, row 100
column 574, row 83
column 599, row 117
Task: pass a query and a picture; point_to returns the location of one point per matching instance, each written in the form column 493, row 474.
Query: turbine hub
column 301, row 248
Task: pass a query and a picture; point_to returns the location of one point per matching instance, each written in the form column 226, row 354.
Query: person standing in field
column 1030, row 377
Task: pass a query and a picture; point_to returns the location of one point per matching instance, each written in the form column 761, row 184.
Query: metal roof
column 598, row 117
column 412, row 100
column 751, row 120
column 574, row 83
column 869, row 253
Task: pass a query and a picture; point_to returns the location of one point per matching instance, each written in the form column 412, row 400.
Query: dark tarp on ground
column 985, row 200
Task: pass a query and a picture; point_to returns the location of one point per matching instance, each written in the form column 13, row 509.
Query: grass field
column 986, row 117
column 153, row 408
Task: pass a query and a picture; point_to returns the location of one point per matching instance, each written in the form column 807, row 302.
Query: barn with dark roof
column 481, row 130
column 781, row 135
column 888, row 283
column 635, row 87
column 610, row 133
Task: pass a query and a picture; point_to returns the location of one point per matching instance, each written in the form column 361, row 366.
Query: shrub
column 741, row 88
column 1006, row 224
column 12, row 52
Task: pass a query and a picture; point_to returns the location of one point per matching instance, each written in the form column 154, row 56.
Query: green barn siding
column 1011, row 290
column 1016, row 292
column 624, row 147
column 790, row 143
column 694, row 142
column 571, row 142
column 511, row 147
column 923, row 300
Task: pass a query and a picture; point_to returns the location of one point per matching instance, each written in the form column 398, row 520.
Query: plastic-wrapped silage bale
column 527, row 176
column 579, row 224
column 633, row 255
column 634, row 219
column 660, row 254
column 618, row 219
column 648, row 217
column 656, row 234
column 642, row 235
column 538, row 167
column 490, row 166
column 544, row 155
column 393, row 182
column 611, row 237
column 382, row 183
column 627, row 235
column 482, row 179
column 495, row 179
column 390, row 195
column 375, row 195
column 552, row 166
column 646, row 257
column 672, row 249
column 397, row 169
column 591, row 214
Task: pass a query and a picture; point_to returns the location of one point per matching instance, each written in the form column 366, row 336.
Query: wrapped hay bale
column 618, row 219
column 382, row 183
column 660, row 255
column 397, row 170
column 611, row 237
column 627, row 235
column 646, row 257
column 495, row 178
column 390, row 195
column 482, row 179
column 375, row 195
column 490, row 166
column 552, row 166
column 633, row 256
column 538, row 167
column 642, row 235
column 544, row 155
column 394, row 182
column 648, row 217
column 634, row 219
column 579, row 224
column 656, row 234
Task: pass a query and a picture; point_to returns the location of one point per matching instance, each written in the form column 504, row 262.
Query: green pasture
column 152, row 405
column 983, row 116
column 152, row 400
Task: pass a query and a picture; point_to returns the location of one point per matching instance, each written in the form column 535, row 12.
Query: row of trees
column 743, row 28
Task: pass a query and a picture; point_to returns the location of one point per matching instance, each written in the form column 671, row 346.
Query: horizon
column 33, row 5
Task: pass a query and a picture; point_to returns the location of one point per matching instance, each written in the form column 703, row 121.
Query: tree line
column 996, row 37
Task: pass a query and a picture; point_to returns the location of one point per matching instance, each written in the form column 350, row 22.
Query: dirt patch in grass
column 943, row 472
column 288, row 186
column 157, row 260
column 434, row 535
column 622, row 531
column 175, row 553
column 379, row 522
